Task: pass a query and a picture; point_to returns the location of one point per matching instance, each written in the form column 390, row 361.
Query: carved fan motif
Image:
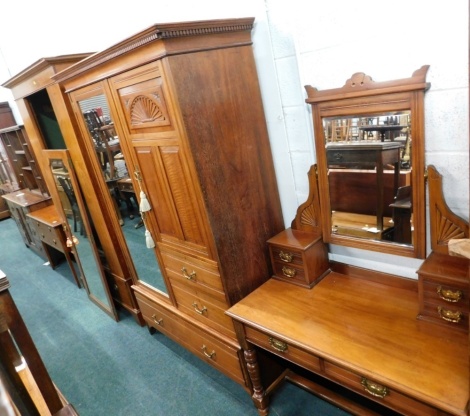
column 446, row 229
column 309, row 216
column 145, row 110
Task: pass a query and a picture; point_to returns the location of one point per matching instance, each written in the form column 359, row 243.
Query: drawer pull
column 210, row 355
column 156, row 320
column 278, row 345
column 449, row 295
column 199, row 311
column 190, row 276
column 286, row 257
column 449, row 316
column 374, row 389
column 287, row 271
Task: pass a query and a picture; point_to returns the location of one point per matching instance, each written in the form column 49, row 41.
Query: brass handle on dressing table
column 280, row 346
column 449, row 316
column 286, row 257
column 287, row 271
column 190, row 276
column 449, row 295
column 374, row 389
column 210, row 355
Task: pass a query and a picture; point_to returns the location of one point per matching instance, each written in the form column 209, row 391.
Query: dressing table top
column 369, row 328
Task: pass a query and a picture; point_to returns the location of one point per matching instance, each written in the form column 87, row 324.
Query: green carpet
column 113, row 368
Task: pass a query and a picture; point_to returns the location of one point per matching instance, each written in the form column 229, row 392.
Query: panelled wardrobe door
column 153, row 133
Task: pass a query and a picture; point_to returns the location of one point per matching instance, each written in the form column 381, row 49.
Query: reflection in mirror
column 369, row 176
column 122, row 191
column 80, row 230
column 369, row 142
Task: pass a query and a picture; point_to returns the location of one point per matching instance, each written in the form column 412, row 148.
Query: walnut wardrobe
column 172, row 125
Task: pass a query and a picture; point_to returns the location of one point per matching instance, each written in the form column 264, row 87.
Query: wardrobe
column 175, row 147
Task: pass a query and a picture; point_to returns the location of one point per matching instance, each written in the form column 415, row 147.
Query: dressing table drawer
column 378, row 392
column 298, row 257
column 283, row 349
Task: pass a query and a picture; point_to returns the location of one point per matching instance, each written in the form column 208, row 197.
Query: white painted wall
column 295, row 43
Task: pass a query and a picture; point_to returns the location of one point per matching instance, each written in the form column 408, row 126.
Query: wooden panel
column 283, row 349
column 392, row 398
column 213, row 350
column 204, row 308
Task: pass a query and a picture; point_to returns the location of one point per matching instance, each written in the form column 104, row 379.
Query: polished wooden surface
column 367, row 328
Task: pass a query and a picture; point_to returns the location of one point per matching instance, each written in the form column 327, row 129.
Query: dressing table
column 358, row 338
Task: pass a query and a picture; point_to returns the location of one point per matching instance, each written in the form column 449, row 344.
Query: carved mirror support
column 369, row 140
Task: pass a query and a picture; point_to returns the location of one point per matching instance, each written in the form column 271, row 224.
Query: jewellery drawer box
column 443, row 290
column 298, row 257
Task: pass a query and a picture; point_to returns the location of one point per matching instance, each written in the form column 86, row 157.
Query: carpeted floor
column 113, row 368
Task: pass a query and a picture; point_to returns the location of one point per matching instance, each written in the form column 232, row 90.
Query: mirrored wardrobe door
column 122, row 185
column 81, row 234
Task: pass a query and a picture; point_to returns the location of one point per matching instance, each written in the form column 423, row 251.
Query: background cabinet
column 187, row 110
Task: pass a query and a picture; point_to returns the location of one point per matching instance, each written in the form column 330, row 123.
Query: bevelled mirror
column 369, row 141
column 78, row 227
column 122, row 185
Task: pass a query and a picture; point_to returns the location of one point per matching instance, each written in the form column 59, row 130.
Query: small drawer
column 203, row 275
column 443, row 293
column 298, row 257
column 216, row 351
column 445, row 314
column 378, row 392
column 206, row 309
column 283, row 349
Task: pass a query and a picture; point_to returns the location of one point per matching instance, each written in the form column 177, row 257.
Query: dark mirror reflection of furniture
column 119, row 182
column 369, row 140
column 86, row 242
column 24, row 379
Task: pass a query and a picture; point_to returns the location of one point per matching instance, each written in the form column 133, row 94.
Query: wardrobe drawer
column 378, row 392
column 283, row 349
column 222, row 354
column 204, row 308
column 203, row 275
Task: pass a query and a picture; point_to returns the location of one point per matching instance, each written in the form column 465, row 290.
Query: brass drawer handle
column 374, row 389
column 280, row 346
column 199, row 311
column 449, row 295
column 190, row 276
column 449, row 316
column 286, row 257
column 287, row 271
column 210, row 355
column 156, row 320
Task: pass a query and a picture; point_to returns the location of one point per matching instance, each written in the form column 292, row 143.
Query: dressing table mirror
column 369, row 140
column 80, row 232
